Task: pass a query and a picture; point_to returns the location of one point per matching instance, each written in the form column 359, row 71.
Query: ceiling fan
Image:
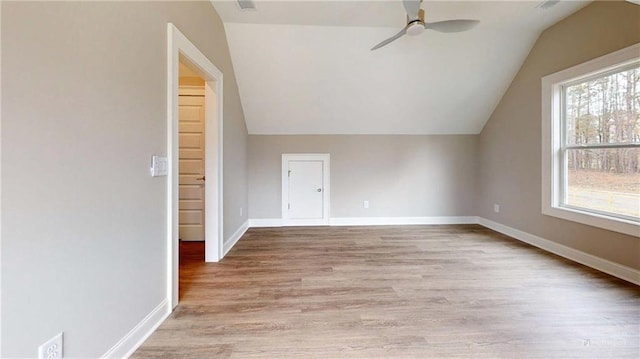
column 416, row 24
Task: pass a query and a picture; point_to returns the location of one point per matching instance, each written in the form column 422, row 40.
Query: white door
column 305, row 189
column 192, row 179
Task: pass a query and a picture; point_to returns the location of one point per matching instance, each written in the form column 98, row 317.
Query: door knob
column 200, row 179
column 319, row 190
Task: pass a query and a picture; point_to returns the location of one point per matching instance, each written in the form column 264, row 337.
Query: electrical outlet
column 52, row 348
column 496, row 208
column 365, row 204
column 240, row 211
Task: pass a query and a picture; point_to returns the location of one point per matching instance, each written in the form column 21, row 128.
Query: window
column 591, row 142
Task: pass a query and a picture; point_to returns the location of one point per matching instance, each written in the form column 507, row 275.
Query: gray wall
column 401, row 176
column 510, row 143
column 84, row 108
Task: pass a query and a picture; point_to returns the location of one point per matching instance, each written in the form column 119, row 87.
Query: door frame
column 326, row 190
column 179, row 46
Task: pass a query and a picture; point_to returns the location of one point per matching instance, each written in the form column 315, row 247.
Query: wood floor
column 394, row 292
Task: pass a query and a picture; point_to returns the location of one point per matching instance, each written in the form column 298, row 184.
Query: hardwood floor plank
column 458, row 291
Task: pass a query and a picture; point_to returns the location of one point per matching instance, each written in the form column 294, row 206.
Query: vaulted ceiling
column 305, row 67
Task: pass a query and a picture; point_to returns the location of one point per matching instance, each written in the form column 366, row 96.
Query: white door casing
column 191, row 194
column 178, row 47
column 305, row 189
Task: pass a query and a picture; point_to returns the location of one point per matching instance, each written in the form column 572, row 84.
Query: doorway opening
column 191, row 172
column 181, row 50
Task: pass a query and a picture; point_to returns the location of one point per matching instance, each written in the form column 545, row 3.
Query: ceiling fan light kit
column 415, row 28
column 416, row 24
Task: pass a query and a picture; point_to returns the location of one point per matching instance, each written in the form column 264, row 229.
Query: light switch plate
column 159, row 166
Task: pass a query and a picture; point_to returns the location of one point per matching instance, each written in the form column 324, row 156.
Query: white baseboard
column 386, row 221
column 305, row 222
column 130, row 342
column 617, row 270
column 372, row 221
column 136, row 336
column 229, row 243
column 265, row 222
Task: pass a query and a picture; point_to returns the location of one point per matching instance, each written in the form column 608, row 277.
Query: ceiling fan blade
column 451, row 25
column 391, row 39
column 412, row 7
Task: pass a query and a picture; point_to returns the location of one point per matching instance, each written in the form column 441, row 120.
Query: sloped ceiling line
column 304, row 67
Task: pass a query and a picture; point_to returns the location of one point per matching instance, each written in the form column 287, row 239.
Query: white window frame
column 552, row 172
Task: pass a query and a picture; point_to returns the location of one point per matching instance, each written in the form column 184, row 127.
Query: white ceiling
column 304, row 67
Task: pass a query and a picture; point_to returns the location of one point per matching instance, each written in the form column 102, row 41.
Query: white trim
column 388, row 221
column 326, row 190
column 306, row 222
column 617, row 270
column 235, row 237
column 551, row 141
column 126, row 346
column 0, row 182
column 372, row 221
column 594, row 219
column 214, row 210
column 265, row 222
column 178, row 45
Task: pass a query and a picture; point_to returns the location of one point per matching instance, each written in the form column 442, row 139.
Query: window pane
column 606, row 180
column 604, row 110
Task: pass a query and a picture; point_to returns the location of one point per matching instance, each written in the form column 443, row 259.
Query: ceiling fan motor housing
column 416, row 26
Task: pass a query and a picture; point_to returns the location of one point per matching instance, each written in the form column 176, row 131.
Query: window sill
column 593, row 219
